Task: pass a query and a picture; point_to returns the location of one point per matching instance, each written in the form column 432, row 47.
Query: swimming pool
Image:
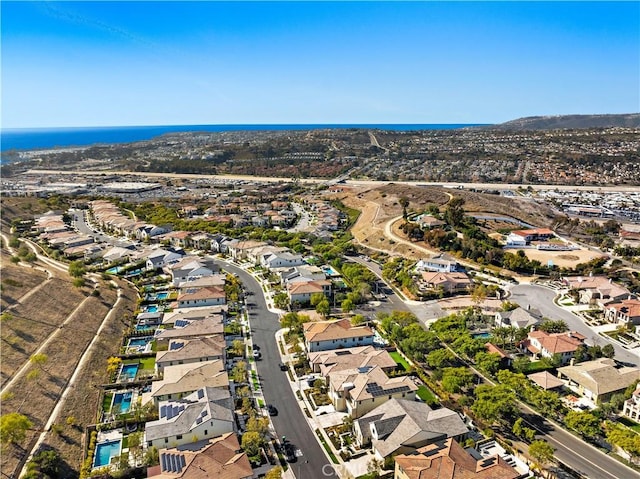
column 329, row 271
column 143, row 341
column 153, row 308
column 128, row 372
column 121, row 402
column 481, row 335
column 105, row 451
column 114, row 270
column 163, row 295
column 145, row 327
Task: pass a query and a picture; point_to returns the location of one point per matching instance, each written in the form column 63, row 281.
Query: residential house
column 216, row 280
column 325, row 362
column 448, row 459
column 285, row 259
column 159, row 258
column 631, row 407
column 448, row 283
column 182, row 379
column 211, row 326
column 596, row 289
column 220, row 457
column 187, row 351
column 546, row 380
column 624, row 312
column 599, row 379
column 301, row 292
column 548, row 345
column 326, row 335
column 302, row 273
column 189, row 268
column 401, row 427
column 358, row 391
column 179, row 239
column 536, row 234
column 238, row 249
column 204, row 296
column 439, row 263
column 195, row 314
column 429, row 222
column 202, row 241
column 204, row 414
column 519, row 318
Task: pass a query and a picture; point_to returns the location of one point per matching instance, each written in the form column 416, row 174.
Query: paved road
column 541, row 298
column 276, row 389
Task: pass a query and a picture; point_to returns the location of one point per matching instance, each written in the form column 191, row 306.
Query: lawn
column 629, row 423
column 106, row 402
column 536, row 366
column 397, row 357
column 426, row 395
column 148, row 363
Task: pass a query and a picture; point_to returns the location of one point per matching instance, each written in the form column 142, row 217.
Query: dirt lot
column 17, row 280
column 563, row 258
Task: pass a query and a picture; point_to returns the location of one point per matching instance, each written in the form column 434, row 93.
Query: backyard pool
column 145, row 327
column 329, row 271
column 139, row 342
column 114, row 270
column 162, row 296
column 153, row 308
column 128, row 372
column 105, row 451
column 122, row 402
column 481, row 336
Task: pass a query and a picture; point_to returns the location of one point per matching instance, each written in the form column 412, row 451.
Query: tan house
column 181, row 380
column 325, row 362
column 327, row 335
column 631, row 407
column 358, row 391
column 600, row 379
column 204, row 296
column 446, row 282
column 187, row 351
column 217, row 458
column 448, row 459
column 595, row 289
column 301, row 292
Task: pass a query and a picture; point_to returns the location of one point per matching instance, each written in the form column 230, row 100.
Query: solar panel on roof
column 176, row 345
column 163, row 462
column 488, row 462
column 183, row 461
column 163, row 411
column 199, row 420
column 200, row 393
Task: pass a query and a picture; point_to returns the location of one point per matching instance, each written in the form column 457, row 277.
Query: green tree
column 624, row 438
column 494, row 403
column 77, row 269
column 551, row 326
column 237, row 347
column 541, row 452
column 440, row 358
column 585, row 423
column 275, row 473
column 13, row 428
column 281, row 300
column 488, row 362
column 521, row 364
column 454, row 212
column 323, row 307
column 455, row 380
column 259, row 424
column 347, row 306
column 316, row 298
column 608, row 351
column 251, row 443
column 45, row 464
column 239, row 372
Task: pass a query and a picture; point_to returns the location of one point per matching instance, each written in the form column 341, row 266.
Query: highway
column 370, row 183
column 290, row 421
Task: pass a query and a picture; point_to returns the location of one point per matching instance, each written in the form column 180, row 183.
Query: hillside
column 631, row 120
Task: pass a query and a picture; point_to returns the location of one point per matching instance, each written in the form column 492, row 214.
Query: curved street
column 541, row 298
column 290, row 421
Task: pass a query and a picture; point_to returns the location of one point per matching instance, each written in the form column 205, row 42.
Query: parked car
column 271, row 409
column 257, row 355
column 289, row 452
column 283, row 367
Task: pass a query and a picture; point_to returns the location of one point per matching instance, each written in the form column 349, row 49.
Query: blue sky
column 157, row 63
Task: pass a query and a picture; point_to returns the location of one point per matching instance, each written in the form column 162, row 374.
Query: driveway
column 290, row 421
column 541, row 298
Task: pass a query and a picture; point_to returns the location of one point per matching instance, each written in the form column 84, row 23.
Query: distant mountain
column 628, row 120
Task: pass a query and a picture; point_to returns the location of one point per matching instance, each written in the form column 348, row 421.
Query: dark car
column 272, row 410
column 283, row 367
column 289, row 452
column 257, row 355
column 256, row 347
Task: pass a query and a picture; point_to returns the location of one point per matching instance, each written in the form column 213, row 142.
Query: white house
column 188, row 269
column 159, row 258
column 204, row 414
column 285, row 259
column 438, row 263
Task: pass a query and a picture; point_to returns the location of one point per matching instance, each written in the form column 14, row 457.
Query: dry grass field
column 17, row 280
column 563, row 258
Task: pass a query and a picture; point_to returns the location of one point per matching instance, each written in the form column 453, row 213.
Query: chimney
column 528, row 307
column 572, row 361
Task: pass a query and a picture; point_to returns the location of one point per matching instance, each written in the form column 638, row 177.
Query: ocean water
column 45, row 138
